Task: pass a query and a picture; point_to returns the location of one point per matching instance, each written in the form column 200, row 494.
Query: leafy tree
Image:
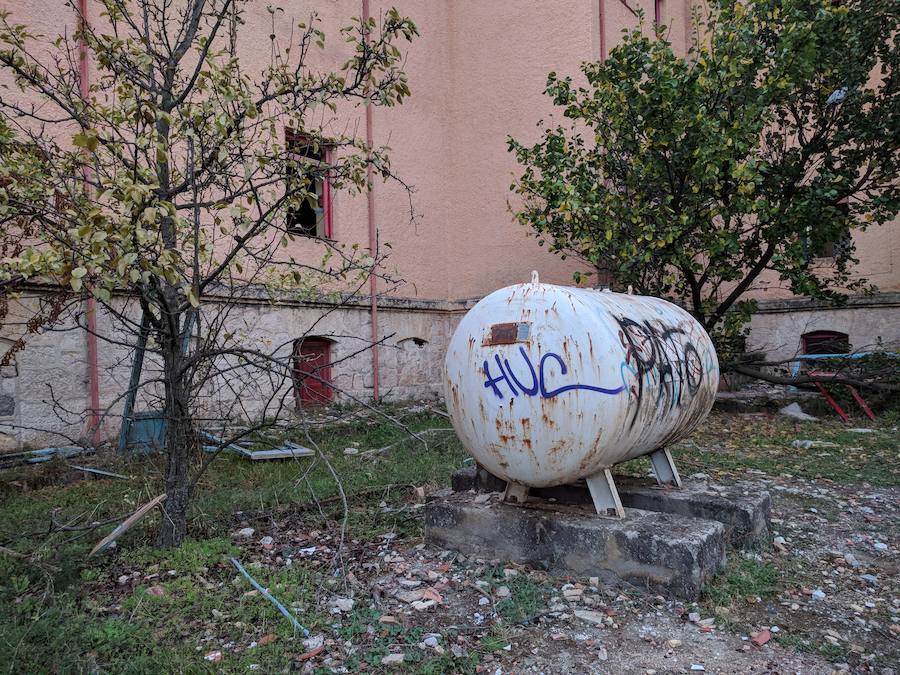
column 698, row 176
column 163, row 189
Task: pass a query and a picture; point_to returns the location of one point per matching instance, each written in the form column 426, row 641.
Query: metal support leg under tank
column 664, row 468
column 604, row 493
column 515, row 493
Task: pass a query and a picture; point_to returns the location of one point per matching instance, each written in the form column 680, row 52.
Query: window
column 825, row 342
column 832, row 247
column 312, row 371
column 312, row 218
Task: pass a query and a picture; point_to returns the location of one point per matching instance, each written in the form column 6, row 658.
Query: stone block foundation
column 660, row 552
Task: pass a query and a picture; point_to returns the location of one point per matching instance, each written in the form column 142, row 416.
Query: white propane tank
column 548, row 384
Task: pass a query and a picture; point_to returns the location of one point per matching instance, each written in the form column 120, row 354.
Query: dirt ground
column 822, row 597
column 840, row 542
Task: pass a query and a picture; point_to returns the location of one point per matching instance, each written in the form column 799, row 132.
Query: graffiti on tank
column 535, row 382
column 660, row 358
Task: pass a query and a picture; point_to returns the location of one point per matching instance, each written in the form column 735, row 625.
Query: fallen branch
column 99, row 472
column 377, row 451
column 812, row 379
column 128, row 524
column 10, row 553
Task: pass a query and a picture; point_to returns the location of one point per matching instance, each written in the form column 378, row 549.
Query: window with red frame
column 313, row 217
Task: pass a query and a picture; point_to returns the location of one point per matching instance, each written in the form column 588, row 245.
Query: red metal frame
column 834, row 404
column 328, row 198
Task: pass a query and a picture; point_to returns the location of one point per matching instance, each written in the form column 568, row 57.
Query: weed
column 744, row 578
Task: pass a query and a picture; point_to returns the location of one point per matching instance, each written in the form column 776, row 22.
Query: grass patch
column 744, row 579
column 83, row 620
column 728, row 445
column 832, row 652
column 526, row 597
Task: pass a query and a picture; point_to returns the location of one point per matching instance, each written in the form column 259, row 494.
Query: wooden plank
column 128, row 523
column 280, row 453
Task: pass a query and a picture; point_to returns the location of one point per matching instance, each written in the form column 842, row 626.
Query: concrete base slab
column 744, row 513
column 665, row 553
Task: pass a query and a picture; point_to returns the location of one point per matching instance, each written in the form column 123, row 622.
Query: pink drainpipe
column 91, row 313
column 370, row 214
column 602, row 24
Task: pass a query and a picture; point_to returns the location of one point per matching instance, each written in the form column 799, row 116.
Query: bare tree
column 164, row 191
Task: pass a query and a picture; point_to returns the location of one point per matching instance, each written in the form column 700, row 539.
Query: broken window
column 308, row 171
column 825, row 342
column 836, row 246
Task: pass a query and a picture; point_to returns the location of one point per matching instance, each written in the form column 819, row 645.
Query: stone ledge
column 743, row 513
column 659, row 552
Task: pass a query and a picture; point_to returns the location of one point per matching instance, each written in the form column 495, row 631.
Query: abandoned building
column 477, row 76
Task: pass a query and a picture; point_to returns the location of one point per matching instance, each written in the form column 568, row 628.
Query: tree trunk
column 180, row 442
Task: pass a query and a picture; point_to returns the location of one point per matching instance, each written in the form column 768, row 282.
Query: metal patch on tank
column 507, row 334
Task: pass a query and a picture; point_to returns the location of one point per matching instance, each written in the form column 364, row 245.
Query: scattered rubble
column 794, row 411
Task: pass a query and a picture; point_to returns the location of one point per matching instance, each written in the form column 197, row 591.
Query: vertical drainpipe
column 602, row 25
column 91, row 311
column 370, row 214
column 657, row 12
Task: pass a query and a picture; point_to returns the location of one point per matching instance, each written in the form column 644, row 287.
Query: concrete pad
column 665, row 553
column 744, row 513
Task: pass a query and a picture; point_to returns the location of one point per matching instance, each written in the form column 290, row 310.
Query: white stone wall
column 44, row 394
column 870, row 324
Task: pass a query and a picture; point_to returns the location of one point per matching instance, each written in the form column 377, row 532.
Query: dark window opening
column 825, row 342
column 312, row 371
column 417, row 341
column 836, row 247
column 313, row 217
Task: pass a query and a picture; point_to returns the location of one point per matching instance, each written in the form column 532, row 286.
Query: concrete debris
column 806, row 444
column 590, row 616
column 794, row 411
column 314, row 642
column 342, row 604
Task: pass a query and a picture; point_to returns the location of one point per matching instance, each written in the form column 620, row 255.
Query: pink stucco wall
column 477, row 74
